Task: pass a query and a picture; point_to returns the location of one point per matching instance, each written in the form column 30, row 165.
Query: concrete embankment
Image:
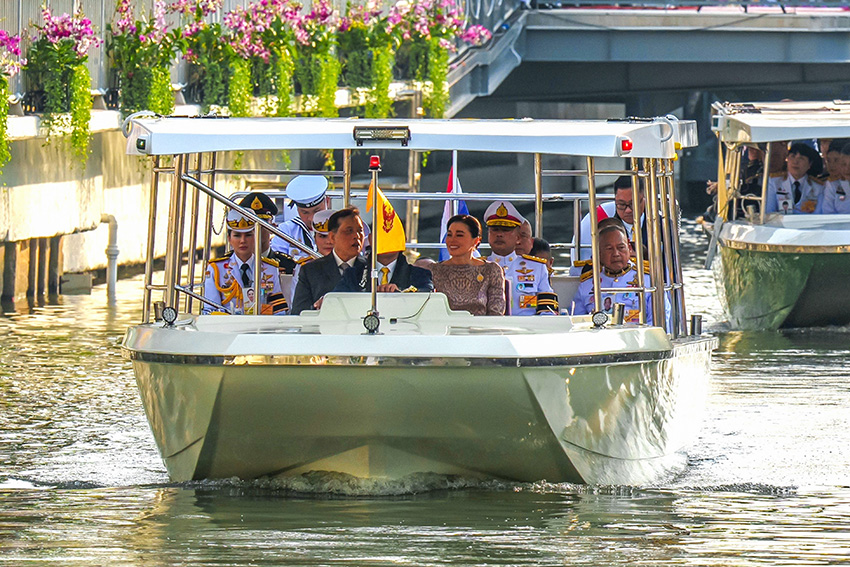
column 60, row 220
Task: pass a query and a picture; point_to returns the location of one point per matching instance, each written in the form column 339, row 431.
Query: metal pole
column 594, row 231
column 258, row 267
column 170, row 245
column 764, row 181
column 146, row 303
column 181, row 232
column 668, row 213
column 538, row 196
column 193, row 238
column 374, row 254
column 208, row 220
column 346, row 178
column 653, row 239
column 677, row 255
column 454, row 184
column 637, row 233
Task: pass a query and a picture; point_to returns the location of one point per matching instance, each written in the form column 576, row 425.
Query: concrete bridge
column 642, row 61
column 654, row 61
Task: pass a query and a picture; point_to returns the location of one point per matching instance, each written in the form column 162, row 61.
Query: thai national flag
column 448, row 212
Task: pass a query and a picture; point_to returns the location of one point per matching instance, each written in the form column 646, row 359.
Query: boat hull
column 609, row 422
column 773, row 290
column 790, row 273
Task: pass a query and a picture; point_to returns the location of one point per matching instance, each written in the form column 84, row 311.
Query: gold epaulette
column 646, row 266
column 814, row 179
column 582, row 263
column 304, row 259
column 274, row 263
column 585, row 275
column 277, row 302
column 834, row 177
column 534, row 258
column 222, row 258
column 779, row 174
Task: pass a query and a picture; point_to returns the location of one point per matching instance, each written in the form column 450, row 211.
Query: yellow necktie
column 385, row 272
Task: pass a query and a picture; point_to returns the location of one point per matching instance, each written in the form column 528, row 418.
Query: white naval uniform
column 528, row 275
column 780, row 195
column 606, row 210
column 836, row 197
column 223, row 284
column 300, row 232
column 583, row 300
column 503, row 261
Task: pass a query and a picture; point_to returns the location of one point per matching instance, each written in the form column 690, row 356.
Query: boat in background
column 775, row 270
column 560, row 398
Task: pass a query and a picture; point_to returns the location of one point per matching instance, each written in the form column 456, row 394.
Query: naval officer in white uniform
column 527, row 276
column 307, row 194
column 618, row 271
column 797, row 191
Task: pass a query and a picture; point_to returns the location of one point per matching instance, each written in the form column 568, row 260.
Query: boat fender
column 712, row 245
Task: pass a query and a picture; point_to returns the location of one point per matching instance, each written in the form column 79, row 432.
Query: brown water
column 81, row 483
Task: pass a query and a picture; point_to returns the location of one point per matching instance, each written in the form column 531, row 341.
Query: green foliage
column 284, row 67
column 240, row 89
column 141, row 51
column 437, row 97
column 328, row 80
column 5, row 152
column 161, row 97
column 59, row 70
column 355, row 56
column 380, row 105
column 80, row 106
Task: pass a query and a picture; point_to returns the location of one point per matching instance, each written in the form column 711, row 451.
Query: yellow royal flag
column 386, row 224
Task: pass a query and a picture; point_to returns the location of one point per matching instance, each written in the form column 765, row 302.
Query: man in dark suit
column 320, row 276
column 394, row 274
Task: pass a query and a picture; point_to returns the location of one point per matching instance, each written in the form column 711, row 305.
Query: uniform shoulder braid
column 270, row 261
column 222, row 258
column 817, row 180
column 779, row 174
column 533, row 258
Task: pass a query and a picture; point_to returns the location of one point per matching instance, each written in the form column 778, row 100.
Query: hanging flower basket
column 56, row 64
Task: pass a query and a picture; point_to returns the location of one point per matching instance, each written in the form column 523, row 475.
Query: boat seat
column 565, row 286
column 286, row 287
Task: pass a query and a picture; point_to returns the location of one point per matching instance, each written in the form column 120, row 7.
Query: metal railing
column 196, row 179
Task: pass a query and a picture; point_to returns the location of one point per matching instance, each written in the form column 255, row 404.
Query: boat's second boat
column 778, row 271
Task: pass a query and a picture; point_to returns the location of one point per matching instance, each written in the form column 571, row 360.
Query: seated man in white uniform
column 527, row 276
column 618, row 271
column 621, row 208
column 835, row 196
column 797, row 190
column 307, row 194
column 229, row 280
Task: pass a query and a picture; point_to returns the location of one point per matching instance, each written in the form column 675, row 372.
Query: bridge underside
column 656, row 62
column 624, row 81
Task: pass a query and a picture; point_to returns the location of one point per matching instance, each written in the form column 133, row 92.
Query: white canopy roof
column 598, row 138
column 776, row 122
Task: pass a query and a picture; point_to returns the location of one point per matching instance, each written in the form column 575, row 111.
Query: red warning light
column 374, row 162
column 626, row 145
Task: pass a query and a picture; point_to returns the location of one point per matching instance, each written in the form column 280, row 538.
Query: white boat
column 778, row 271
column 560, row 398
